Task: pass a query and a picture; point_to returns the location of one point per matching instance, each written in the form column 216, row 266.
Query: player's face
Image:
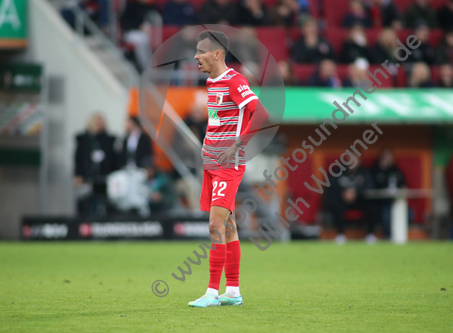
column 205, row 56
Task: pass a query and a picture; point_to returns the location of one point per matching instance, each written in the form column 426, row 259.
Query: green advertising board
column 20, row 77
column 313, row 105
column 13, row 24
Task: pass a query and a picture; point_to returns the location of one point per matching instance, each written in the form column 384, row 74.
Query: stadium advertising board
column 129, row 227
column 313, row 105
column 13, row 24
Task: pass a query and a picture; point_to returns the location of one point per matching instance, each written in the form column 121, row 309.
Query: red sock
column 233, row 259
column 216, row 262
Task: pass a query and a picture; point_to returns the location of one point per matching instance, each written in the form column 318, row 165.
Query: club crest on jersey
column 219, row 99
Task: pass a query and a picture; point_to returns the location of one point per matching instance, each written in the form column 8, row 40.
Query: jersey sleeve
column 240, row 92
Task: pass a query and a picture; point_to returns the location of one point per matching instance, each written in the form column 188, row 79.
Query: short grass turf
column 296, row 287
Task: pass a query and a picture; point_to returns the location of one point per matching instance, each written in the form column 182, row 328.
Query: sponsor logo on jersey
column 244, row 90
column 214, row 119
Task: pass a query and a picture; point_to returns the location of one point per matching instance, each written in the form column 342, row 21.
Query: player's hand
column 202, row 152
column 227, row 155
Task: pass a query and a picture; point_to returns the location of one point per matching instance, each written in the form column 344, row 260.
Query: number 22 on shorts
column 222, row 187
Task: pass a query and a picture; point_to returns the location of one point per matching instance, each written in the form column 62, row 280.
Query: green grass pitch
column 296, row 287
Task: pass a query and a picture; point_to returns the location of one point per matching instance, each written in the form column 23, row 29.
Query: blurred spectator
column 182, row 50
column 355, row 46
column 446, row 76
column 284, row 13
column 420, row 76
column 179, row 12
column 218, row 12
column 385, row 13
column 136, row 30
column 419, row 11
column 356, row 15
column 97, row 11
column 385, row 47
column 425, row 52
column 137, row 149
column 244, row 46
column 325, row 75
column 287, row 74
column 311, row 47
column 386, row 175
column 445, row 16
column 251, row 12
column 197, row 120
column 445, row 51
column 94, row 160
column 347, row 192
column 162, row 193
column 356, row 74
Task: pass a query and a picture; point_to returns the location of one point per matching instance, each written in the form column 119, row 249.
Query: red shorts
column 220, row 187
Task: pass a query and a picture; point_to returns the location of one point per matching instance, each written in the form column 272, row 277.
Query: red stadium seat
column 334, row 12
column 435, row 36
column 302, row 72
column 401, row 78
column 274, row 39
column 168, row 31
column 386, row 83
column 435, row 74
column 336, row 37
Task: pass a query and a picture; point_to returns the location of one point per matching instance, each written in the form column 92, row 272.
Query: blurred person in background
column 94, row 160
column 386, row 175
column 287, row 74
column 162, row 194
column 445, row 16
column 356, row 15
column 355, row 46
column 385, row 47
column 136, row 30
column 348, row 192
column 197, row 121
column 446, row 76
column 311, row 47
column 420, row 10
column 179, row 12
column 284, row 13
column 251, row 12
column 325, row 75
column 425, row 52
column 356, row 74
column 218, row 12
column 97, row 11
column 420, row 76
column 384, row 13
column 137, row 150
column 244, row 46
column 445, row 50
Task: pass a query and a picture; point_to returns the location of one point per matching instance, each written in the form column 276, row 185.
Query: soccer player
column 235, row 114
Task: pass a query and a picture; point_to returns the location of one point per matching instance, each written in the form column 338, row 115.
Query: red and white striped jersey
column 228, row 94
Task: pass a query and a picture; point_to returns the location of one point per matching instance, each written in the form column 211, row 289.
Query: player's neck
column 218, row 71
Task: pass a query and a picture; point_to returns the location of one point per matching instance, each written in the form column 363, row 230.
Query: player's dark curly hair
column 216, row 38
